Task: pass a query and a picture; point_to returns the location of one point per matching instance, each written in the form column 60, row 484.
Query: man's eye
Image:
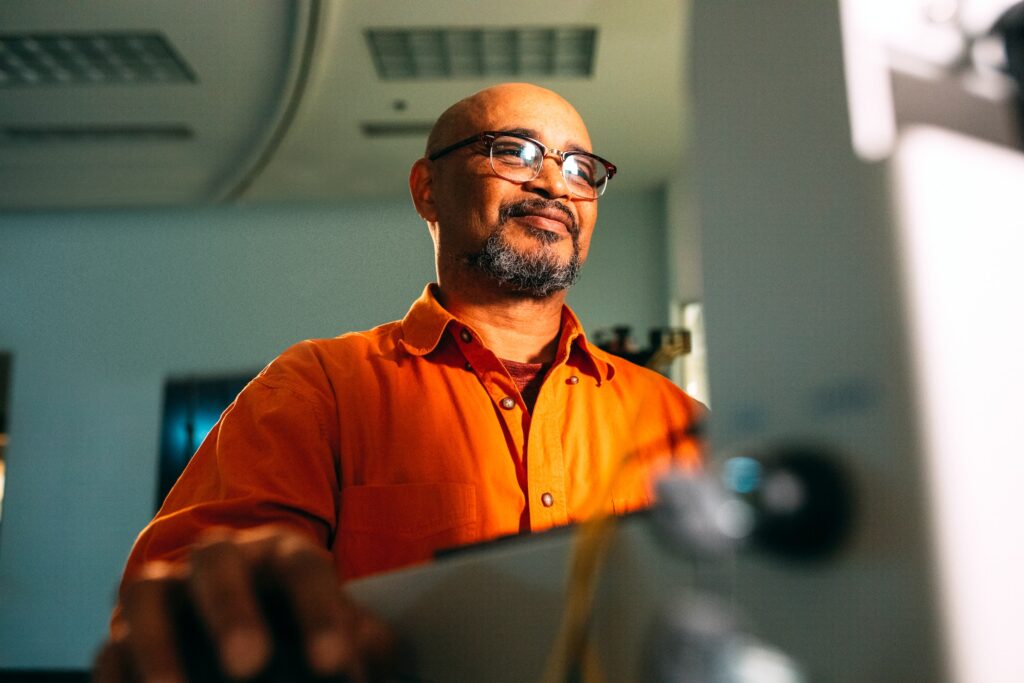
column 509, row 149
column 581, row 168
column 514, row 151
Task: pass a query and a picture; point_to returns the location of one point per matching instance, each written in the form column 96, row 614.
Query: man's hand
column 257, row 603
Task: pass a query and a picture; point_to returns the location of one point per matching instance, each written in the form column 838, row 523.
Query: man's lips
column 550, row 219
column 545, row 223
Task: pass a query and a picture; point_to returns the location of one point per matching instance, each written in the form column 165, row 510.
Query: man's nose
column 549, row 182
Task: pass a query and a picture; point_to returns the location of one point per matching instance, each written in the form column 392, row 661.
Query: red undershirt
column 528, row 378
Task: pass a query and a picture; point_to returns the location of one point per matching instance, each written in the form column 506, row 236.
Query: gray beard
column 536, row 274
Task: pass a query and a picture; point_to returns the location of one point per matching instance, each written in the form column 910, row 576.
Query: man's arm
column 234, row 575
column 272, row 458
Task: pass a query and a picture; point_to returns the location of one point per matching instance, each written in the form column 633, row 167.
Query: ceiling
column 275, row 97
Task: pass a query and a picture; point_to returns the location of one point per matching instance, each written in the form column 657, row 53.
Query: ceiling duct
column 66, row 134
column 451, row 53
column 386, row 129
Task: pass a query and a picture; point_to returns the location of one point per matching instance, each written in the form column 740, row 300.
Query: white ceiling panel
column 284, row 90
column 633, row 103
column 243, row 56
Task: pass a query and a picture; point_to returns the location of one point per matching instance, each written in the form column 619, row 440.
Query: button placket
column 495, row 382
column 546, row 459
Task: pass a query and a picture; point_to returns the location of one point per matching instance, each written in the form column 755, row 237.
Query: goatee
column 537, row 273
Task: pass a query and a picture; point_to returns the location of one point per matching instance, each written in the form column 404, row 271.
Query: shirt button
column 469, row 366
column 466, row 336
column 573, row 379
column 547, row 499
column 508, row 403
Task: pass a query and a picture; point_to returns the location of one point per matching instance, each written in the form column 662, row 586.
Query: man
column 484, row 412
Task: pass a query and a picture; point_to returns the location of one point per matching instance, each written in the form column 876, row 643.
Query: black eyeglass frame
column 487, row 138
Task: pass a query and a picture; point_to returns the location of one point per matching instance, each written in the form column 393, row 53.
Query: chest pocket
column 386, row 527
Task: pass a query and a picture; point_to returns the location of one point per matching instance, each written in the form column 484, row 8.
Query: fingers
column 114, row 664
column 253, row 602
column 376, row 646
column 221, row 586
column 151, row 639
column 310, row 586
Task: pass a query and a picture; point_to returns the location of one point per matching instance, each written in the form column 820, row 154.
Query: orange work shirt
column 387, row 445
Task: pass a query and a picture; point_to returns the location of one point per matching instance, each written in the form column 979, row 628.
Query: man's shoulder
column 312, row 359
column 636, row 379
column 381, row 339
column 628, row 371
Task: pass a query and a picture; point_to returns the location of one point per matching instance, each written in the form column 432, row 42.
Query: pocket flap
column 411, row 510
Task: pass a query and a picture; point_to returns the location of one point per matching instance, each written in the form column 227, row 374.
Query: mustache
column 527, row 207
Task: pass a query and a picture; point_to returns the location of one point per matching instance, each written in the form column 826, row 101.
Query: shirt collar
column 574, row 336
column 424, row 324
column 427, row 319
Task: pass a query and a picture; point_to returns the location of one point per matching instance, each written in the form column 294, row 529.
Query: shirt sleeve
column 270, row 459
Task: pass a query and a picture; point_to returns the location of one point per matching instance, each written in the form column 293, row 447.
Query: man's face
column 529, row 237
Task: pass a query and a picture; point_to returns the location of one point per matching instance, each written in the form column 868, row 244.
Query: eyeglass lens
column 521, row 160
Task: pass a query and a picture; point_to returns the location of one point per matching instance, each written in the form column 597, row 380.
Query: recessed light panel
column 449, row 53
column 48, row 59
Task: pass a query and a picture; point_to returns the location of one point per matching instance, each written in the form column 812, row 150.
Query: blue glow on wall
column 192, row 407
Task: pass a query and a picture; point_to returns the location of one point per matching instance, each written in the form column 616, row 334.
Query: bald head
column 474, row 113
column 509, row 237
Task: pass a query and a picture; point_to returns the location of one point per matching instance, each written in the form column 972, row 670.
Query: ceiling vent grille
column 46, row 59
column 450, row 53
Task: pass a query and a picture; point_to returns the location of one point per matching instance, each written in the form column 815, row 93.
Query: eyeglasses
column 520, row 158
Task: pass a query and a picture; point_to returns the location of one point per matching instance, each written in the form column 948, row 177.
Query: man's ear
column 421, row 186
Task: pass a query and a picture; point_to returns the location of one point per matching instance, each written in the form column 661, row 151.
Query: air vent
column 48, row 59
column 450, row 53
column 385, row 129
column 68, row 134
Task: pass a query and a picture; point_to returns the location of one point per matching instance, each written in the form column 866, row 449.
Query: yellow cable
column 590, row 547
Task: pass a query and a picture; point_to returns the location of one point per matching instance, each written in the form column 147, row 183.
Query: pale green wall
column 100, row 307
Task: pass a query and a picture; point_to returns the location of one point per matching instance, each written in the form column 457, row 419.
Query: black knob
column 801, row 496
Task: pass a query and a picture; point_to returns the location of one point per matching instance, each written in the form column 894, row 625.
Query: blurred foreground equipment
column 661, row 608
